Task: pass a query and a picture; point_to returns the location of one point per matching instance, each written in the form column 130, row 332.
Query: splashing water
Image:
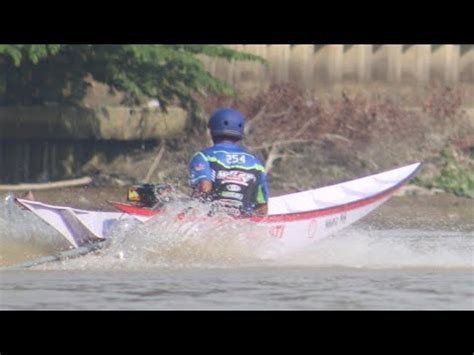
column 167, row 242
column 364, row 247
column 23, row 236
column 197, row 242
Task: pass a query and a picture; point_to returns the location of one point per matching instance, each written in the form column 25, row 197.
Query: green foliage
column 34, row 52
column 171, row 73
column 453, row 177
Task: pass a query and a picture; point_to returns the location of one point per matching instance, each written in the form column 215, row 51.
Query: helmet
column 227, row 122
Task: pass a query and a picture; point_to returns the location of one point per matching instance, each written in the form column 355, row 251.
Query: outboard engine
column 151, row 195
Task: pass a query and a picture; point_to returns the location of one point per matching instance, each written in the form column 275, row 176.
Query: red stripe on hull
column 337, row 209
column 320, row 213
column 140, row 211
column 287, row 217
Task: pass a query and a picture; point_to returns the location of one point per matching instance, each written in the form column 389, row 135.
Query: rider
column 226, row 173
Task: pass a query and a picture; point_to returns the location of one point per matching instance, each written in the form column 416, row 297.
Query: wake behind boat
column 296, row 219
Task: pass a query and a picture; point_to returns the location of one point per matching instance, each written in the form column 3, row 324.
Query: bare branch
column 283, row 142
column 305, row 126
column 256, row 118
column 272, row 157
column 333, row 137
column 279, row 114
column 155, row 163
column 48, row 185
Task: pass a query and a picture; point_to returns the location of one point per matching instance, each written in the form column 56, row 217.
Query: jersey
column 238, row 177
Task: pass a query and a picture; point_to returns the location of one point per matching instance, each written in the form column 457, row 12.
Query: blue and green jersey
column 238, row 177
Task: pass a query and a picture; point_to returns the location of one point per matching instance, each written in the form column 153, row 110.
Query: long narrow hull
column 296, row 219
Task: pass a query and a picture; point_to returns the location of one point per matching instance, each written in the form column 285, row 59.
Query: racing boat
column 296, row 219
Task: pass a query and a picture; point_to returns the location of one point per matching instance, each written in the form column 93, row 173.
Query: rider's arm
column 262, row 196
column 201, row 176
column 261, row 210
column 202, row 189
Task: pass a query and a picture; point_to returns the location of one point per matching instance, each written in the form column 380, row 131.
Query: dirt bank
column 308, row 142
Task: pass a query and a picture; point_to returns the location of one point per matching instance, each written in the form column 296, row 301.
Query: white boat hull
column 296, row 219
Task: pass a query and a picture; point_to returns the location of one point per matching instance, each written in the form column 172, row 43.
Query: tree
column 32, row 74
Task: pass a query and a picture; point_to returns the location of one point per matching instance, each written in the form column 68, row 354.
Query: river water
column 382, row 262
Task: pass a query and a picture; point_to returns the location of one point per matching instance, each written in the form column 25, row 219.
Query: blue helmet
column 227, row 122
